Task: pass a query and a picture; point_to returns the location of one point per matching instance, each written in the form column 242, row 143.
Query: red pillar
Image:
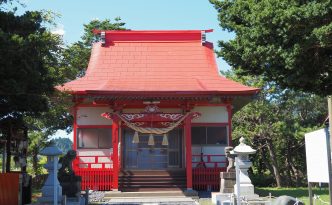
column 115, row 142
column 229, row 112
column 75, row 128
column 187, row 132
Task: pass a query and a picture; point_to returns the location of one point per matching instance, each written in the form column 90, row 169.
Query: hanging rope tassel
column 165, row 140
column 136, row 138
column 151, row 140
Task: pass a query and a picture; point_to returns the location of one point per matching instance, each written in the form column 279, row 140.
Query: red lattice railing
column 206, row 171
column 209, row 160
column 207, row 178
column 96, row 178
column 97, row 174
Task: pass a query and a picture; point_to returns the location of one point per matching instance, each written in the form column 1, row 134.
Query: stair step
column 152, row 173
column 147, row 189
column 146, row 193
column 152, row 180
column 153, row 200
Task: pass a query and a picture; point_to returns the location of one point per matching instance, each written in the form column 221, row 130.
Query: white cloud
column 59, row 30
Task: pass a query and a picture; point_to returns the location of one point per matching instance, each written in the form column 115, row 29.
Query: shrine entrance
column 141, row 156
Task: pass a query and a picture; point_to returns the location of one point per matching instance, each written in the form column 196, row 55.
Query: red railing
column 207, row 178
column 208, row 160
column 206, row 171
column 98, row 175
column 96, row 172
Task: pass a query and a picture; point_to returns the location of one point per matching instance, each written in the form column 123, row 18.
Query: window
column 94, row 138
column 209, row 135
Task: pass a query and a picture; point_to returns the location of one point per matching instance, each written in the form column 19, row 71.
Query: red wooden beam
column 187, row 131
column 115, row 142
column 75, row 128
column 229, row 112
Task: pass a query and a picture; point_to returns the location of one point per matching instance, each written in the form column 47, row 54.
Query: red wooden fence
column 96, row 175
column 101, row 178
column 96, row 178
column 207, row 178
column 206, row 173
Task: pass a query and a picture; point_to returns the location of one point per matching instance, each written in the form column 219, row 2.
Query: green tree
column 29, row 58
column 74, row 61
column 47, row 124
column 285, row 41
column 275, row 124
column 76, row 56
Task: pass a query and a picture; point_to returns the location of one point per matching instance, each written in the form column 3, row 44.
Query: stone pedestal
column 227, row 182
column 51, row 189
column 222, row 198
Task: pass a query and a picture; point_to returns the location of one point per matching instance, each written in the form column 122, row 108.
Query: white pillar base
column 247, row 191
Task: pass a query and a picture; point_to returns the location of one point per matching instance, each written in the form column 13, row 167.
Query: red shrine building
column 153, row 112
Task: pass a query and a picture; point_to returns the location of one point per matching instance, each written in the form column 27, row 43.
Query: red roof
column 154, row 61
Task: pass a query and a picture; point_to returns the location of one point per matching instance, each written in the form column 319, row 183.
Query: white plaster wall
column 209, row 150
column 215, row 114
column 89, row 157
column 92, row 116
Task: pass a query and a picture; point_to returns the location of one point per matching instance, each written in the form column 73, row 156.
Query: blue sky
column 137, row 14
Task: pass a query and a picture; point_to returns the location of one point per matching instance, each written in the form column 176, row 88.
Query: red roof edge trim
column 96, row 31
column 168, row 93
column 152, row 36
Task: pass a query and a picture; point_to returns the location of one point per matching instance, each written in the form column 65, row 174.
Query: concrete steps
column 179, row 197
column 153, row 201
column 149, row 198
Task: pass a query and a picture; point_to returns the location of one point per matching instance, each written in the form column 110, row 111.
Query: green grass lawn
column 301, row 193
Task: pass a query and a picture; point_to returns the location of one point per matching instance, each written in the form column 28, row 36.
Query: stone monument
column 227, row 181
column 70, row 183
column 242, row 163
column 51, row 191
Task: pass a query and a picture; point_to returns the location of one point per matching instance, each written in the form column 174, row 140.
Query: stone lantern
column 243, row 186
column 51, row 191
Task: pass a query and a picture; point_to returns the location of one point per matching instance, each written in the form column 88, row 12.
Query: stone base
column 227, row 175
column 245, row 189
column 75, row 201
column 48, row 200
column 252, row 197
column 48, row 195
column 221, row 198
column 227, row 181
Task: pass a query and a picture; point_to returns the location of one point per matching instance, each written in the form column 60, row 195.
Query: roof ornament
column 203, row 37
column 103, row 38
